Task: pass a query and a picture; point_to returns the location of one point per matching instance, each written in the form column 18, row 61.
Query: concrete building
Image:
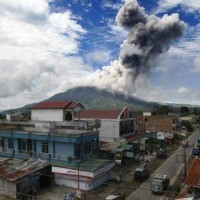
column 84, row 175
column 56, row 143
column 55, row 111
column 115, row 124
column 156, row 123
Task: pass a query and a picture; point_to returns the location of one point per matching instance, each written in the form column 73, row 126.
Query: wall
column 63, row 180
column 109, row 130
column 47, row 114
column 8, row 188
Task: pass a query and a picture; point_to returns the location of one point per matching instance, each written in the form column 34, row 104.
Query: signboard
column 142, row 144
column 129, row 154
column 160, row 135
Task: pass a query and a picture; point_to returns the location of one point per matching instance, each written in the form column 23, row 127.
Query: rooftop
column 89, row 165
column 56, row 105
column 193, row 176
column 98, row 114
column 13, row 168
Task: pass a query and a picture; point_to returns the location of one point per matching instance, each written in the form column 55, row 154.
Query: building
column 20, row 178
column 57, row 143
column 193, row 178
column 156, row 123
column 83, row 175
column 115, row 124
column 55, row 111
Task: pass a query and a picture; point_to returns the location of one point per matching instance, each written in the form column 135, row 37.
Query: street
column 170, row 167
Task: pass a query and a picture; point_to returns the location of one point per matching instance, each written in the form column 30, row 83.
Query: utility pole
column 185, row 161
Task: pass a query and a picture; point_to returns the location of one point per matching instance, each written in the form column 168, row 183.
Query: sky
column 50, row 46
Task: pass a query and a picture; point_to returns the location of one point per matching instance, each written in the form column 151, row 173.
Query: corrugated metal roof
column 98, row 114
column 56, row 105
column 13, row 168
column 193, row 176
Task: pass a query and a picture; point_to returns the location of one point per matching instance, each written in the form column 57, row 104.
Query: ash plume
column 149, row 36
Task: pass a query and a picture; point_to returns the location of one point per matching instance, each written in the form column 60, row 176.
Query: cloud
column 38, row 51
column 189, row 6
column 196, row 65
column 99, row 56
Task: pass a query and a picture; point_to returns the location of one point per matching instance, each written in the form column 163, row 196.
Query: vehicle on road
column 184, row 143
column 160, row 183
column 141, row 173
column 115, row 197
column 69, row 196
column 161, row 153
column 196, row 151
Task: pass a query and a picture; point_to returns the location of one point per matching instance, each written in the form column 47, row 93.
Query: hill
column 92, row 98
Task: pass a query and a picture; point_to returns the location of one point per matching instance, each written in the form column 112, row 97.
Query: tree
column 195, row 111
column 184, row 110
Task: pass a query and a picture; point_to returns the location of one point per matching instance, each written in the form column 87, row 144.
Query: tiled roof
column 54, row 105
column 193, row 176
column 98, row 114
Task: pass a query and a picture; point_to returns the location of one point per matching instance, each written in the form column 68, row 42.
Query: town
column 60, row 150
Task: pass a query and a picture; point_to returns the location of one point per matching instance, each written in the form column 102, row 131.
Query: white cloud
column 196, row 65
column 188, row 6
column 99, row 56
column 37, row 52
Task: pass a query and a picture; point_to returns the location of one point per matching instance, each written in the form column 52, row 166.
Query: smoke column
column 149, row 36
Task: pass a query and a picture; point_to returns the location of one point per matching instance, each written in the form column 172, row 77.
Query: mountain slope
column 93, row 98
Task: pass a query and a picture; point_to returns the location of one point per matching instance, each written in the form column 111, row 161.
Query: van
column 141, row 173
column 195, row 151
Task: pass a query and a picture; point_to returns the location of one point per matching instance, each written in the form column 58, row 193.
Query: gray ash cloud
column 149, row 36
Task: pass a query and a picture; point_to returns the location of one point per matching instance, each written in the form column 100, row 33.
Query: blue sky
column 49, row 46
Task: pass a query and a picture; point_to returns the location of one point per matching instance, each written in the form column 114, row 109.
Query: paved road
column 170, row 167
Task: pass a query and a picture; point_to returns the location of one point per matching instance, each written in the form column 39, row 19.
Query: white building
column 115, row 124
column 55, row 111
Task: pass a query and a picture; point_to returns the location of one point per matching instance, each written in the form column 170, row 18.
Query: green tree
column 195, row 111
column 184, row 110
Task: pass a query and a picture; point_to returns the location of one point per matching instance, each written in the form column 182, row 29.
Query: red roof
column 56, row 105
column 193, row 176
column 98, row 114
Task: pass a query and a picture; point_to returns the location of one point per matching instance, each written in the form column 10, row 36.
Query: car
column 115, row 197
column 69, row 196
column 161, row 153
column 160, row 183
column 184, row 143
column 141, row 173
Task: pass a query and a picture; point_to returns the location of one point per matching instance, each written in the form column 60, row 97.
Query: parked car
column 196, row 151
column 141, row 173
column 69, row 196
column 184, row 143
column 116, row 197
column 161, row 153
column 160, row 183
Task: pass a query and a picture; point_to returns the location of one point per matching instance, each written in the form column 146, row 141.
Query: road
column 170, row 167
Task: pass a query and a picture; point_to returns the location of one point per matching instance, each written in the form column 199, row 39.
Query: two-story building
column 115, row 124
column 55, row 111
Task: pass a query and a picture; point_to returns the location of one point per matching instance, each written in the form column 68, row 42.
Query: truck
column 160, row 183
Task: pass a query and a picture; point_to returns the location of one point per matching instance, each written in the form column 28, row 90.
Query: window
column 45, row 147
column 24, row 145
column 10, row 144
column 87, row 147
column 29, row 145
